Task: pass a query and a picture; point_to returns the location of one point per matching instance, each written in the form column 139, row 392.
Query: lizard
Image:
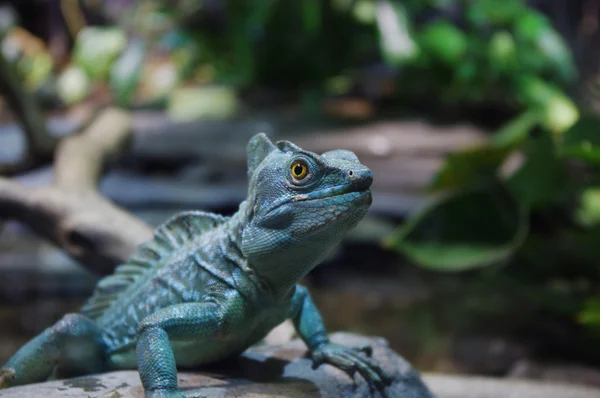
column 206, row 286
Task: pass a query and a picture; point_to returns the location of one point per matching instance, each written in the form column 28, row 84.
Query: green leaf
column 530, row 25
column 464, row 230
column 494, row 12
column 395, row 40
column 535, row 91
column 467, row 72
column 311, row 16
column 558, row 54
column 443, row 41
column 542, row 180
column 582, row 140
column 364, row 11
column 558, row 112
column 590, row 315
column 260, row 13
column 533, row 29
column 517, row 130
column 37, row 69
column 469, row 166
column 96, row 48
column 126, row 72
column 481, row 163
column 339, row 85
column 588, row 212
column 502, row 51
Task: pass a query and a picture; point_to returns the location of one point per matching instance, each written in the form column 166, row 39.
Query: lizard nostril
column 350, row 173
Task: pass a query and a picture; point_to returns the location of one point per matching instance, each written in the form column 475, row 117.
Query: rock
column 489, row 355
column 450, row 386
column 283, row 371
column 564, row 373
column 262, row 371
column 284, row 333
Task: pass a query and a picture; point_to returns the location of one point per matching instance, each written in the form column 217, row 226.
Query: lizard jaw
column 345, row 202
column 357, row 186
column 360, row 197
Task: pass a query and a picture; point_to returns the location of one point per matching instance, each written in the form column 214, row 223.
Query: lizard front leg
column 309, row 325
column 156, row 361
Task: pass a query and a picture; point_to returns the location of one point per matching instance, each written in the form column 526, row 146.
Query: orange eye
column 299, row 170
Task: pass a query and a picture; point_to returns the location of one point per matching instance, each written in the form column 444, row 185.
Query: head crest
column 287, row 146
column 258, row 148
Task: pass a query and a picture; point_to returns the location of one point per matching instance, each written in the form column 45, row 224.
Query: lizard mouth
column 341, row 195
column 344, row 196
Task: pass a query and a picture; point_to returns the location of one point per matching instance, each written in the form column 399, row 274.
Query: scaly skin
column 207, row 287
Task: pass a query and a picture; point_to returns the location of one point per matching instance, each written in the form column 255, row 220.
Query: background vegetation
column 517, row 217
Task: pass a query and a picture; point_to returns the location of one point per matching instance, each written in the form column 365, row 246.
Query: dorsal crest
column 180, row 230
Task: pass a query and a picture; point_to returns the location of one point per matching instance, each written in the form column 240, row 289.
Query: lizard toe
column 365, row 349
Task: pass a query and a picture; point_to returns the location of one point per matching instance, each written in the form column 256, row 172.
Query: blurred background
column 479, row 119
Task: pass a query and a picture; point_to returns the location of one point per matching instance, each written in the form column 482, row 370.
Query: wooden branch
column 14, row 198
column 79, row 158
column 70, row 212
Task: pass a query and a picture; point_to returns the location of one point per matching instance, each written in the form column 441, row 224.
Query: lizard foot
column 6, row 377
column 165, row 394
column 350, row 361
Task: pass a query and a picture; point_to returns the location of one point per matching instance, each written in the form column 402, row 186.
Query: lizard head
column 300, row 205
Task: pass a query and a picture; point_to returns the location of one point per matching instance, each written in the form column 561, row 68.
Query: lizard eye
column 299, row 169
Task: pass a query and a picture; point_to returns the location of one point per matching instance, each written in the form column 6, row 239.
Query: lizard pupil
column 299, row 170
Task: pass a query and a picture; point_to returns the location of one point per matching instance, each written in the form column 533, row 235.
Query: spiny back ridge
column 168, row 237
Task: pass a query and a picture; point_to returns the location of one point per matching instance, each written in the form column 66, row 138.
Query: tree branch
column 79, row 158
column 14, row 199
column 70, row 212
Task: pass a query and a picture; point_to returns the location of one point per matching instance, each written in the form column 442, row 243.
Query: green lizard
column 207, row 287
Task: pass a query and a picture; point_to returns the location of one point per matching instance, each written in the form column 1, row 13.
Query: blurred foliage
column 96, row 50
column 541, row 214
column 591, row 313
column 460, row 52
column 452, row 235
column 542, row 217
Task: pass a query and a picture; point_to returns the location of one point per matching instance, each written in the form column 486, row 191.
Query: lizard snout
column 360, row 179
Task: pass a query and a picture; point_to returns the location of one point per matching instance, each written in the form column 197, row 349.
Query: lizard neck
column 232, row 245
column 235, row 229
column 273, row 273
column 282, row 271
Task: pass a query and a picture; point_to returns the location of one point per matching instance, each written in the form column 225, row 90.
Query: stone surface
column 449, row 386
column 283, row 371
column 564, row 373
column 263, row 371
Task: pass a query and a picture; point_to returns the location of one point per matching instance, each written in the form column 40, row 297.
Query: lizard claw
column 366, row 349
column 6, row 377
column 317, row 362
column 350, row 361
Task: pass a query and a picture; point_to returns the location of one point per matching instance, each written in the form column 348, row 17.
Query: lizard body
column 207, row 287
